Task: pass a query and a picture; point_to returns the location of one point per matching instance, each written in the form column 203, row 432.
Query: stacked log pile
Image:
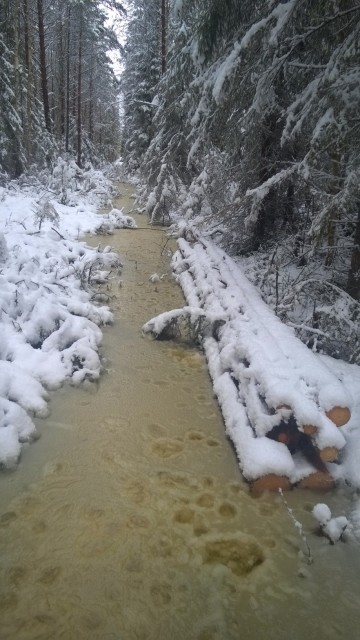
column 283, row 408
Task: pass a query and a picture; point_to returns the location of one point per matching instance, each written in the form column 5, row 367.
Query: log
column 287, row 433
column 309, row 429
column 329, row 454
column 339, row 415
column 318, row 481
column 269, row 482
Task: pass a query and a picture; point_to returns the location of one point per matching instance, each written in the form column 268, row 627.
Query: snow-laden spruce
column 49, row 319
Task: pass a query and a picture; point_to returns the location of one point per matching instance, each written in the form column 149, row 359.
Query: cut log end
column 339, row 415
column 269, row 482
column 329, row 454
column 318, row 481
column 309, row 429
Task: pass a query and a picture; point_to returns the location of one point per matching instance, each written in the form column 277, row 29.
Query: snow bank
column 49, row 324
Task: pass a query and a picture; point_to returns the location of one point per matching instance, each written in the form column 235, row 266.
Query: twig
column 59, row 234
column 164, row 247
column 306, row 328
column 298, row 526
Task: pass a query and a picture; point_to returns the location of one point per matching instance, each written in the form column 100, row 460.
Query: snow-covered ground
column 50, row 293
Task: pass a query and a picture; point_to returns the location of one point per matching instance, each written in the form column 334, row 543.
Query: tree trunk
column 91, row 98
column 333, row 217
column 60, row 97
column 79, row 89
column 67, row 107
column 267, row 213
column 353, row 283
column 16, row 56
column 29, row 94
column 163, row 36
column 44, row 81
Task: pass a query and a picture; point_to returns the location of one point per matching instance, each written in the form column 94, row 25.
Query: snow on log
column 199, row 324
column 277, row 397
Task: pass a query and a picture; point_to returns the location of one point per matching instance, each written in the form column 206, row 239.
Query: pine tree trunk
column 163, row 36
column 29, row 94
column 67, row 107
column 333, row 217
column 16, row 57
column 60, row 97
column 91, row 92
column 79, row 89
column 44, row 80
column 353, row 284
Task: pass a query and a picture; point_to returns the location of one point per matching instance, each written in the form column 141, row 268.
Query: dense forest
column 243, row 117
column 58, row 91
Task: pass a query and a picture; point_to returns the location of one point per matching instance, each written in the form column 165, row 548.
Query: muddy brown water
column 128, row 519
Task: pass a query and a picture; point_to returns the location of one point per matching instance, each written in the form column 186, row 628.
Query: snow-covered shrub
column 64, row 179
column 115, row 219
column 46, row 211
column 68, row 182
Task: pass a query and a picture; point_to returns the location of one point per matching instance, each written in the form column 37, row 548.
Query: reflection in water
column 129, row 519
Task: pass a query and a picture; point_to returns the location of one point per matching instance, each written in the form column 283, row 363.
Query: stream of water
column 129, row 520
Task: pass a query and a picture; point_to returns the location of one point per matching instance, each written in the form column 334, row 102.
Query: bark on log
column 269, row 482
column 339, row 415
column 287, row 433
column 318, row 481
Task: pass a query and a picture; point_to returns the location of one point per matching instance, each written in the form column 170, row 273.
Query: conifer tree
column 255, row 127
column 58, row 89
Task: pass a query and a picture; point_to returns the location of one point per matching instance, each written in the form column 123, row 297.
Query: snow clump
column 332, row 528
column 115, row 219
